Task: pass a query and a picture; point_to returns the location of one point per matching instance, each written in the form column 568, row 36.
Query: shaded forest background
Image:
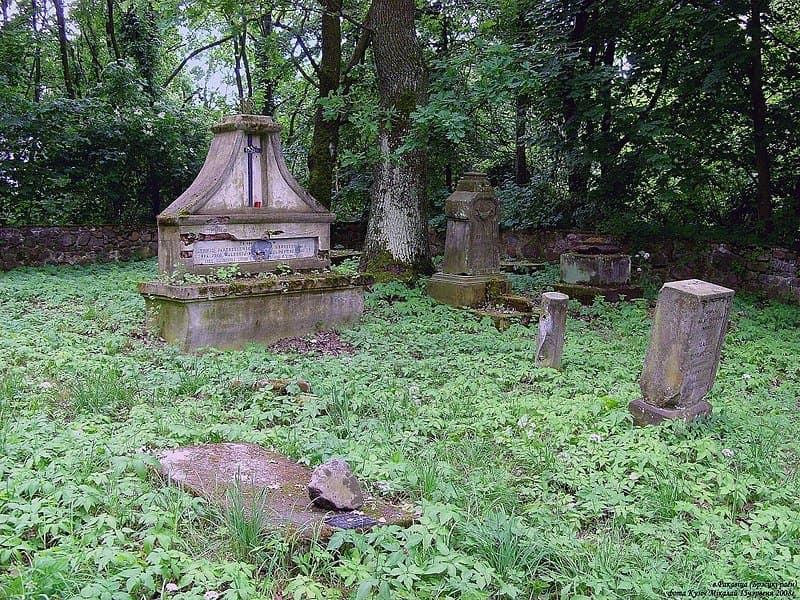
column 675, row 117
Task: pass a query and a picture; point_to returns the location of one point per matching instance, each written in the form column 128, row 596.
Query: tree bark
column 64, row 48
column 759, row 112
column 325, row 140
column 396, row 240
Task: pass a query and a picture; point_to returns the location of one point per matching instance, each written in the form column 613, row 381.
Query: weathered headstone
column 552, row 328
column 471, row 267
column 245, row 210
column 213, row 470
column 684, row 351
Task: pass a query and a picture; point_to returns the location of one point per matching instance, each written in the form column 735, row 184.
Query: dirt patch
column 321, row 343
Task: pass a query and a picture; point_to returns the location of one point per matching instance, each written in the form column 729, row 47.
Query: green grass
column 530, row 482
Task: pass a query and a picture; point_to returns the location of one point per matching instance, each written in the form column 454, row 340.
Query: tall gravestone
column 684, row 351
column 471, row 267
column 245, row 212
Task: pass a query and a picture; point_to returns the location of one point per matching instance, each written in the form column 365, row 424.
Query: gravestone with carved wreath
column 245, row 214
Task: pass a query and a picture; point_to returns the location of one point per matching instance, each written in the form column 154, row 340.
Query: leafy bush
column 110, row 159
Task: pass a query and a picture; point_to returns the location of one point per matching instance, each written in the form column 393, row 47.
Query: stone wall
column 35, row 246
column 772, row 272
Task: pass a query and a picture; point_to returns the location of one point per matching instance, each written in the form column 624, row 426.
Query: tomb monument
column 245, row 214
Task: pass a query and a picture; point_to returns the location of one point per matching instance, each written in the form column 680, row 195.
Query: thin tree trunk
column 759, row 112
column 37, row 54
column 237, row 72
column 111, row 35
column 396, row 240
column 245, row 62
column 522, row 175
column 265, row 79
column 325, row 140
column 577, row 177
column 64, row 48
column 93, row 52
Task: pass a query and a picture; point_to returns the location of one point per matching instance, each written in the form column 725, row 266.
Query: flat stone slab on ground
column 210, row 470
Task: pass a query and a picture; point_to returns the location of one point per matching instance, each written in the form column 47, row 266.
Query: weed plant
column 529, row 482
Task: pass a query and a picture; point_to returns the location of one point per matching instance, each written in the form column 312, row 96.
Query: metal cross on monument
column 254, row 192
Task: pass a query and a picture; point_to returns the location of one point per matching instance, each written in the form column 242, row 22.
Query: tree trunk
column 522, row 175
column 578, row 176
column 245, row 62
column 64, row 48
column 264, row 77
column 237, row 72
column 325, row 141
column 37, row 54
column 111, row 36
column 759, row 111
column 396, row 240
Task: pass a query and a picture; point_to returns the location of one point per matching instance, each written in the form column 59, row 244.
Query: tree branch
column 194, row 53
column 299, row 42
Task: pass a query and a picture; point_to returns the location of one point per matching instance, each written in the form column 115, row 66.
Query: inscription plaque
column 214, row 252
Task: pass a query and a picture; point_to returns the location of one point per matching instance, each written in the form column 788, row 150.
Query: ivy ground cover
column 528, row 482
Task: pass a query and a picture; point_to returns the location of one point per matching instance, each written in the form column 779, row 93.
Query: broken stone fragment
column 334, row 487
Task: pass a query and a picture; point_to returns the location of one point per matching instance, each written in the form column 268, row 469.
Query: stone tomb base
column 231, row 315
column 466, row 290
column 648, row 414
column 271, row 484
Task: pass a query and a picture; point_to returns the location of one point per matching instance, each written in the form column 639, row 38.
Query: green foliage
column 529, row 482
column 95, row 161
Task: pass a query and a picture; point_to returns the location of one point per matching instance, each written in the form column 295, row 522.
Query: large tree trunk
column 325, row 141
column 759, row 111
column 396, row 240
column 63, row 47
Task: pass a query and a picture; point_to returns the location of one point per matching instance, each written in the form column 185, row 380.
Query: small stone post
column 683, row 355
column 552, row 326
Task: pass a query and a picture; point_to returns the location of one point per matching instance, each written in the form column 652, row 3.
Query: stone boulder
column 334, row 487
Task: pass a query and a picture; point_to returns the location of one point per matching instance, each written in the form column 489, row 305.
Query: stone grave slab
column 210, row 470
column 684, row 351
